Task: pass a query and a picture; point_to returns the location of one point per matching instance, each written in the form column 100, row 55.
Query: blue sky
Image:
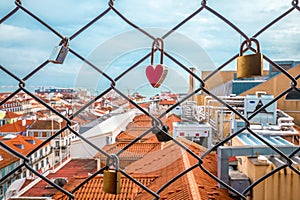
column 204, row 42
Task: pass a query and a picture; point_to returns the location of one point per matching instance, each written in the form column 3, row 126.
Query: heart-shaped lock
column 157, row 74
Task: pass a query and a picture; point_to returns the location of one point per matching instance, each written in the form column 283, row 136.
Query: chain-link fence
column 157, row 124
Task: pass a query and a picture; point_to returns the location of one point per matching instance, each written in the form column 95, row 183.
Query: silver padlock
column 60, row 52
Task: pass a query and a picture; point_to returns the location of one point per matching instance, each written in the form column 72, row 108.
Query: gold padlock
column 111, row 178
column 250, row 65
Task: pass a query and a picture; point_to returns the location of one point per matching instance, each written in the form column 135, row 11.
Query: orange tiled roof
column 169, row 121
column 76, row 167
column 157, row 168
column 93, row 188
column 11, row 115
column 47, row 125
column 143, row 105
column 16, row 127
column 169, row 162
column 137, row 150
column 167, row 102
column 79, row 120
column 130, row 135
column 207, row 186
column 21, row 140
column 140, row 121
column 7, row 158
column 141, row 124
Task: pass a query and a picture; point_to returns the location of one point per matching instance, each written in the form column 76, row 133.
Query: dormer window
column 31, row 141
column 20, row 146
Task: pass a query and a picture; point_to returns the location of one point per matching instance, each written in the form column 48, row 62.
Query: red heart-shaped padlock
column 156, row 75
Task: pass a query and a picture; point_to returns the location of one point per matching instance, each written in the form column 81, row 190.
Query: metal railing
column 156, row 121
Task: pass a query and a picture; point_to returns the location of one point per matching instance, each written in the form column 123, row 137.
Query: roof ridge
column 191, row 178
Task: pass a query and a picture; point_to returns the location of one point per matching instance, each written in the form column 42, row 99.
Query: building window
column 8, row 182
column 41, row 152
column 24, row 174
column 42, row 164
column 57, row 153
column 37, row 167
column 56, row 144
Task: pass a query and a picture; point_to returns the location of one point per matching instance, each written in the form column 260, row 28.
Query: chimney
column 23, row 122
column 192, row 83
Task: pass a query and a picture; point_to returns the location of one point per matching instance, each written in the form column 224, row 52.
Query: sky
column 205, row 42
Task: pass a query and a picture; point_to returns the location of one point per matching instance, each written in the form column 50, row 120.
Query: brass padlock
column 60, row 52
column 250, row 65
column 111, row 178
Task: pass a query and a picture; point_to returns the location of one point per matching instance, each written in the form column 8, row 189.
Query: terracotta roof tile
column 164, row 162
column 74, row 168
column 93, row 188
column 143, row 105
column 167, row 102
column 6, row 158
column 132, row 154
column 15, row 143
column 11, row 115
column 168, row 162
column 169, row 121
column 47, row 125
column 139, row 148
column 15, row 127
column 129, row 135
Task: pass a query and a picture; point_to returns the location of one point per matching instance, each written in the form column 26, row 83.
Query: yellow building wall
column 283, row 185
column 11, row 121
column 2, row 114
column 220, row 78
column 217, row 79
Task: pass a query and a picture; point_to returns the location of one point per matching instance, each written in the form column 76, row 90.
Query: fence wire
column 156, row 121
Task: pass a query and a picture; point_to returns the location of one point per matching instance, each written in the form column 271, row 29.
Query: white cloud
column 108, row 43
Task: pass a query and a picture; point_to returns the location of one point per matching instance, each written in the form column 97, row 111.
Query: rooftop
column 20, row 143
column 153, row 171
column 6, row 158
column 153, row 164
column 93, row 188
column 47, row 125
column 74, row 168
column 11, row 115
column 16, row 127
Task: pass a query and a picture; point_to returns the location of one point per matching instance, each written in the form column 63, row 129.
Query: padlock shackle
column 65, row 42
column 114, row 161
column 159, row 44
column 246, row 42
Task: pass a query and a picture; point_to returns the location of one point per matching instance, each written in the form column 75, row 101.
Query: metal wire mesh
column 156, row 121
